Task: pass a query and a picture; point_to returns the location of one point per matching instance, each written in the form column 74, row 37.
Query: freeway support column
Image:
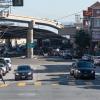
column 8, row 43
column 30, row 40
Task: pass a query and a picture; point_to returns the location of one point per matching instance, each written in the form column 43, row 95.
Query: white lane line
column 97, row 73
column 27, row 94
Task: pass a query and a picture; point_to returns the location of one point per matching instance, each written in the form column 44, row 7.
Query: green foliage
column 82, row 39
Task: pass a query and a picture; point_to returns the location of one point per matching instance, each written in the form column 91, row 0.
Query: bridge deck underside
column 21, row 32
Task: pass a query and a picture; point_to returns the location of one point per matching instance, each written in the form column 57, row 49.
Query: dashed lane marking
column 3, row 85
column 21, row 84
column 37, row 84
column 55, row 84
column 89, row 83
column 72, row 83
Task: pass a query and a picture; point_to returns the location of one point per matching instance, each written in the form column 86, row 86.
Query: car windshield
column 7, row 61
column 21, row 68
column 84, row 65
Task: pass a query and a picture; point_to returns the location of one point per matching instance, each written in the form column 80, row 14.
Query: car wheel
column 16, row 79
column 9, row 69
column 4, row 74
column 93, row 78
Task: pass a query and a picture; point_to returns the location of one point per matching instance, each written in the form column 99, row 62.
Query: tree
column 82, row 40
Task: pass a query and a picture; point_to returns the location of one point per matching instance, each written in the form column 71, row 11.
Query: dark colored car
column 67, row 56
column 83, row 69
column 24, row 72
column 87, row 57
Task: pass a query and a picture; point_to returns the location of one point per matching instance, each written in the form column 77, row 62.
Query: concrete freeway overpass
column 14, row 32
column 22, row 26
column 38, row 21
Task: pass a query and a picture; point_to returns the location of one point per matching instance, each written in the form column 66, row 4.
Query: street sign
column 17, row 2
column 31, row 45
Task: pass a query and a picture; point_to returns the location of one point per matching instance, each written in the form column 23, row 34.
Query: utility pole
column 90, row 31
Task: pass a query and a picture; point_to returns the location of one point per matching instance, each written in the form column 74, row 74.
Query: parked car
column 23, row 72
column 72, row 69
column 88, row 57
column 8, row 60
column 67, row 56
column 96, row 60
column 83, row 69
column 2, row 61
column 3, row 67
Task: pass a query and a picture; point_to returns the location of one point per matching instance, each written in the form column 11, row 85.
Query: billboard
column 17, row 2
column 87, row 13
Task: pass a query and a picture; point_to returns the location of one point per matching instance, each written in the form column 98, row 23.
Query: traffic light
column 17, row 2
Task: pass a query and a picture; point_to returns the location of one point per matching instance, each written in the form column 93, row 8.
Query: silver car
column 96, row 60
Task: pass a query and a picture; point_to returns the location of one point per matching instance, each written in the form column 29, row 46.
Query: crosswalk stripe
column 89, row 83
column 21, row 84
column 71, row 83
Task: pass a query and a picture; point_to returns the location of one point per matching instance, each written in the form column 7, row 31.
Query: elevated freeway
column 38, row 21
column 14, row 26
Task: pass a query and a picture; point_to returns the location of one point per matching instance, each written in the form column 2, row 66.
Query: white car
column 8, row 60
column 3, row 67
column 2, row 61
column 96, row 60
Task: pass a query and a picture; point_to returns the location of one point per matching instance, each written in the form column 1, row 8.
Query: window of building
column 98, row 11
column 96, row 36
column 97, row 22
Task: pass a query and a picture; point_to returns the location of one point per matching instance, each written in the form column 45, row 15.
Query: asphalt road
column 51, row 82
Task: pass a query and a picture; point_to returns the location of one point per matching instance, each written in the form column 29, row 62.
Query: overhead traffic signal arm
column 17, row 2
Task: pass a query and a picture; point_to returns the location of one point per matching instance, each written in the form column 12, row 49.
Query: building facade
column 68, row 31
column 91, row 23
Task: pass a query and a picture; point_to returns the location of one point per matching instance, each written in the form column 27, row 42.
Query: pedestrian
column 1, row 75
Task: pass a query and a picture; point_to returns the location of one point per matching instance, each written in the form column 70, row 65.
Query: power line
column 64, row 17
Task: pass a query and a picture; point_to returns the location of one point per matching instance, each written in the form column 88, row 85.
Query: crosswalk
column 21, row 84
column 54, row 84
column 3, row 85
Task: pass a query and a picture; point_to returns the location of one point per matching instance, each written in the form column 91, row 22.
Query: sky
column 53, row 9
